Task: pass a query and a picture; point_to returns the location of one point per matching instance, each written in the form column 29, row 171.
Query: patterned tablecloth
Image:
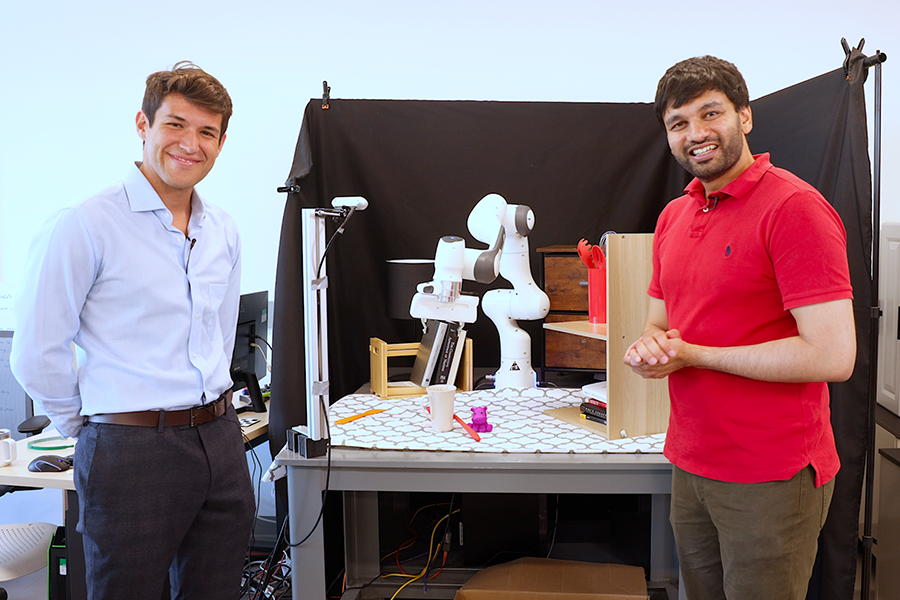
column 517, row 415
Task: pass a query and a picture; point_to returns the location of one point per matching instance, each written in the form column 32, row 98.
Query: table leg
column 308, row 559
column 361, row 538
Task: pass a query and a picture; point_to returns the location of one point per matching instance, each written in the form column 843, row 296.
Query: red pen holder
column 597, row 295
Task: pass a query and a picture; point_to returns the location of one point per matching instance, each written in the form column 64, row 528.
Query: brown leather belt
column 192, row 417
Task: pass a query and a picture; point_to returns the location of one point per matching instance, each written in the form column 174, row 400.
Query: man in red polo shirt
column 750, row 314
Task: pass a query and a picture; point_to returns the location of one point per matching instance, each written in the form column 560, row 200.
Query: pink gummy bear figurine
column 479, row 420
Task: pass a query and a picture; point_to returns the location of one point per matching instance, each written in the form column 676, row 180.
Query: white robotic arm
column 525, row 301
column 441, row 297
column 507, row 227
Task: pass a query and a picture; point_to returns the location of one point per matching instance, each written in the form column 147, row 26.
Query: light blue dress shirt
column 154, row 311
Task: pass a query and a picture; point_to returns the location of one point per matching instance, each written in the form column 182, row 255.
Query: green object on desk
column 57, row 442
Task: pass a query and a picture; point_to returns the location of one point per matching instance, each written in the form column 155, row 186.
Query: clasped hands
column 657, row 354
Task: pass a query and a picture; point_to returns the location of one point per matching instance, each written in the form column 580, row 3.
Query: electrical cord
column 271, row 581
column 555, row 528
column 263, row 340
column 411, row 541
column 255, row 475
column 486, row 380
column 327, row 481
column 334, row 235
column 265, row 358
column 423, row 573
column 282, row 535
column 445, row 544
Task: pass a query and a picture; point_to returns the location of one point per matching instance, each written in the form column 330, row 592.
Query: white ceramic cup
column 7, row 448
column 440, row 399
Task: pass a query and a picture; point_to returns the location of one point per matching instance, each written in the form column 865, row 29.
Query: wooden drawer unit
column 564, row 280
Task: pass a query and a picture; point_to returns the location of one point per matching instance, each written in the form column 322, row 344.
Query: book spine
column 593, row 419
column 435, row 353
column 596, row 402
column 457, row 356
column 448, row 350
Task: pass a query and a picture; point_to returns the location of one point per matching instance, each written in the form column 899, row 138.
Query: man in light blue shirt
column 144, row 277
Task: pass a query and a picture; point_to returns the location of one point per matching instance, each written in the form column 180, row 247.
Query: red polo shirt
column 729, row 271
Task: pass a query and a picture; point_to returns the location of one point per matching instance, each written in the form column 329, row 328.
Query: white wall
column 73, row 76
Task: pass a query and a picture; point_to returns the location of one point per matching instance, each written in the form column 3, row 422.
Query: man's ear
column 142, row 125
column 746, row 119
column 221, row 142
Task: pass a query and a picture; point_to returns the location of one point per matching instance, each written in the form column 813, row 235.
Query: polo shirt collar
column 738, row 188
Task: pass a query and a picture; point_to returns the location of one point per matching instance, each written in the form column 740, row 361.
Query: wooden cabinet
column 564, row 280
column 636, row 406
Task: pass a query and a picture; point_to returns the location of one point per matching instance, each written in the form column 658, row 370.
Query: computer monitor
column 15, row 405
column 248, row 364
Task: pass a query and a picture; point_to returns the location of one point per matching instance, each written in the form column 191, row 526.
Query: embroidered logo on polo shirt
column 728, row 251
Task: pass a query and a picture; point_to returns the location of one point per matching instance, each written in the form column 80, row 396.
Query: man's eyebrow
column 175, row 117
column 672, row 118
column 711, row 104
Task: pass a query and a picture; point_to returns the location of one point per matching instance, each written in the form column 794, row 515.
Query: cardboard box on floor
column 550, row 579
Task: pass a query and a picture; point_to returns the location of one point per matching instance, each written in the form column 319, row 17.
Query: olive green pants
column 747, row 541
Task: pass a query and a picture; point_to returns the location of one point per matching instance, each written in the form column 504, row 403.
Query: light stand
column 311, row 440
column 875, row 313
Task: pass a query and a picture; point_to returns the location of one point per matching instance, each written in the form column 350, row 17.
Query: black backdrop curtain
column 584, row 168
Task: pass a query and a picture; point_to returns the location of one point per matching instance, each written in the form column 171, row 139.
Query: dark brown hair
column 192, row 82
column 692, row 77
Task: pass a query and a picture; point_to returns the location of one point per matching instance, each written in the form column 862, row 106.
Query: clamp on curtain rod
column 870, row 61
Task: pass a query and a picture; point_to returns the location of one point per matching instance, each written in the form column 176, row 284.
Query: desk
column 18, row 474
column 361, row 473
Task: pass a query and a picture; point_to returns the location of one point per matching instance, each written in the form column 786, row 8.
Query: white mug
column 7, row 448
column 440, row 399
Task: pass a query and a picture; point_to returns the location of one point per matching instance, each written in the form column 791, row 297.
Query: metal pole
column 868, row 540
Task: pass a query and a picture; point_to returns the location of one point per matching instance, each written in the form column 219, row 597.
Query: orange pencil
column 374, row 411
column 471, row 431
column 465, row 425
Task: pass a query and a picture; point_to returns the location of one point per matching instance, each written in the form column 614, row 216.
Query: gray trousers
column 747, row 541
column 177, row 501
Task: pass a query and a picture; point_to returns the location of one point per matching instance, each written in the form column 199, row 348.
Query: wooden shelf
column 380, row 352
column 595, row 331
column 636, row 406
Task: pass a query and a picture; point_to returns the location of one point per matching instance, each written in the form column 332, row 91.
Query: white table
column 361, row 473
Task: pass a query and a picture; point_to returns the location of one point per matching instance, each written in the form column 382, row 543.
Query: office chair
column 23, row 546
column 30, row 426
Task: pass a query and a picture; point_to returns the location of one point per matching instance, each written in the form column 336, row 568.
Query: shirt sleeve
column 655, row 288
column 809, row 252
column 59, row 273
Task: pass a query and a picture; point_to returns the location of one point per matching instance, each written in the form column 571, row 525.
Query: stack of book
column 594, row 406
column 594, row 410
column 440, row 352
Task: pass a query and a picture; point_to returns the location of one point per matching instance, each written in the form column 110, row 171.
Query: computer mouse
column 50, row 463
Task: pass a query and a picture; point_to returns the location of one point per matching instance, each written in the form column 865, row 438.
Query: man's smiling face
column 181, row 146
column 707, row 137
